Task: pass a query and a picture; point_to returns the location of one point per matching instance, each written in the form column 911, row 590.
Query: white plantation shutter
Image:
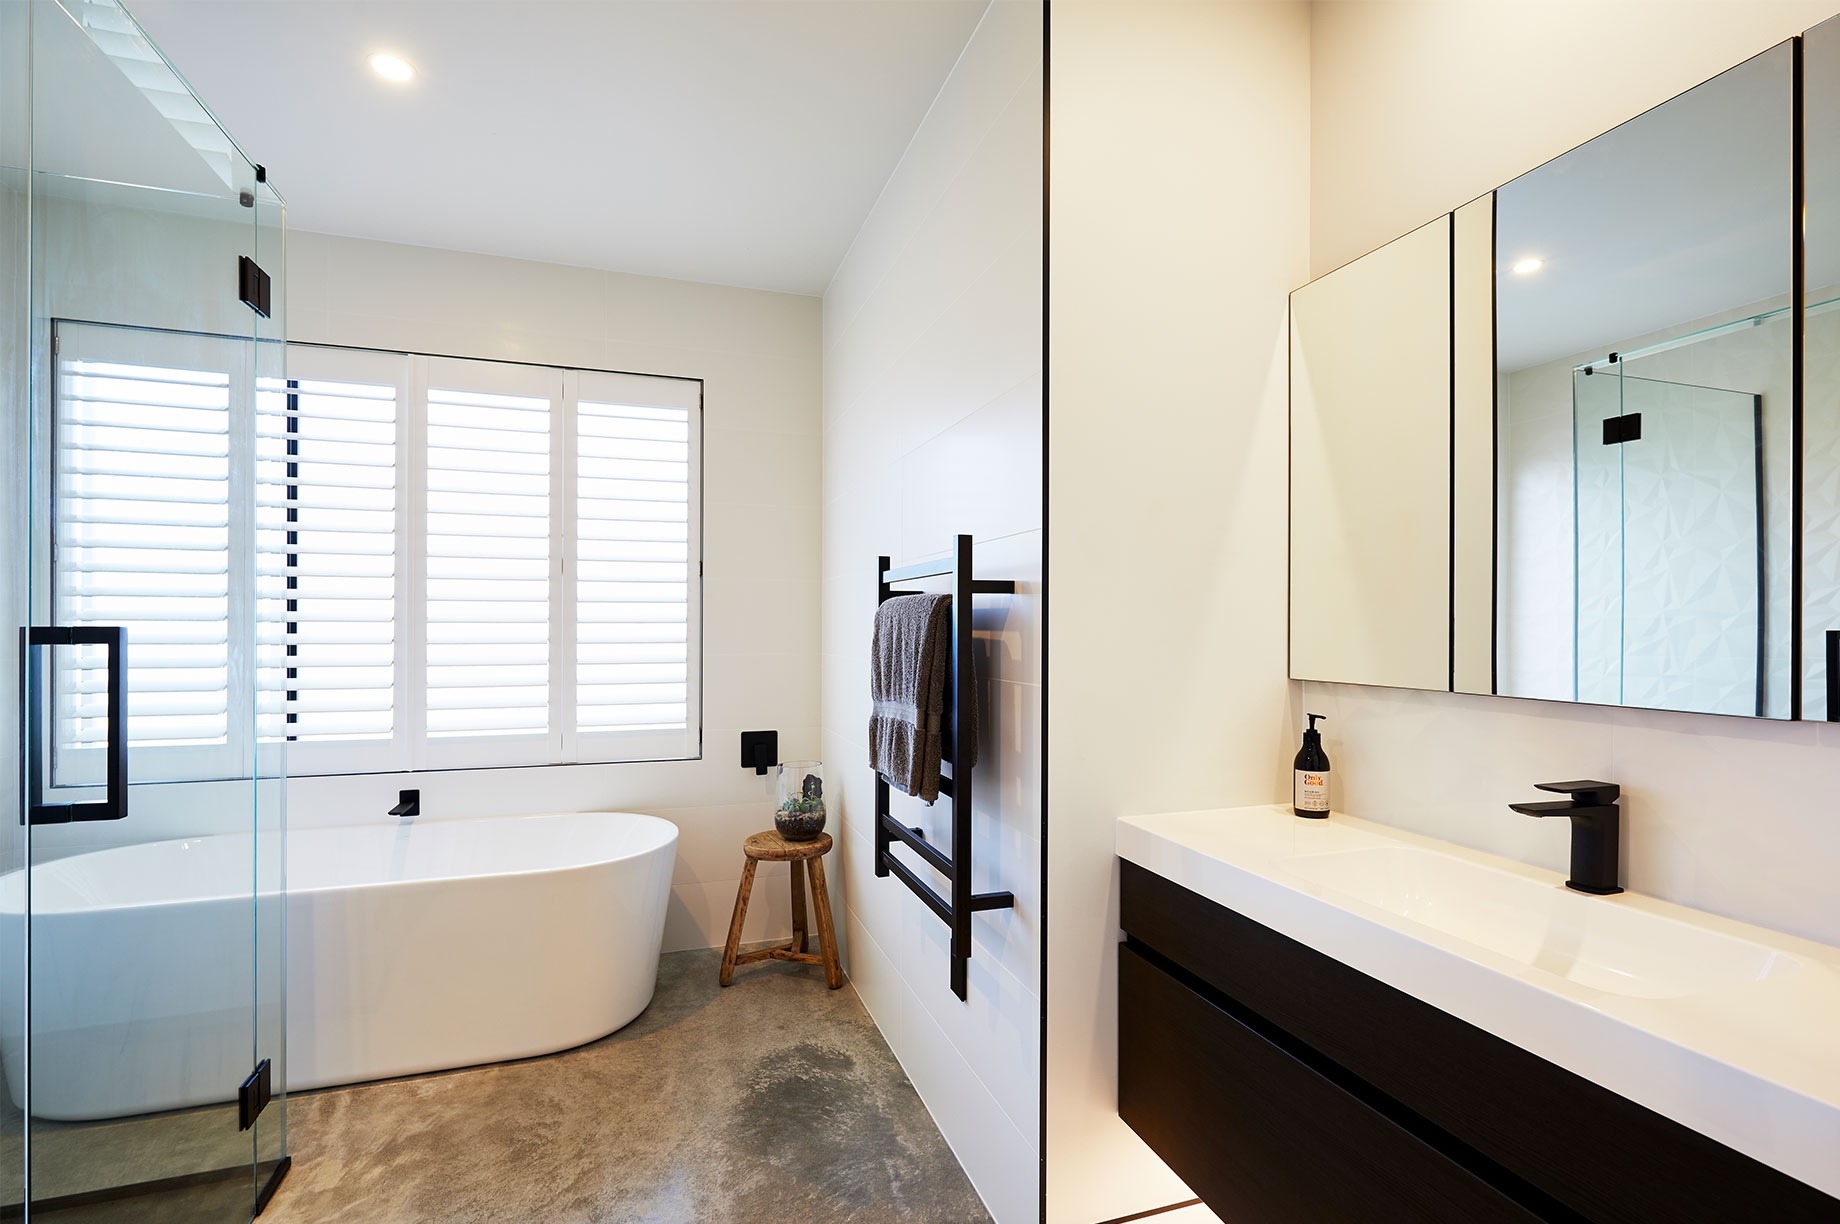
column 491, row 432
column 151, row 532
column 637, row 461
column 331, row 450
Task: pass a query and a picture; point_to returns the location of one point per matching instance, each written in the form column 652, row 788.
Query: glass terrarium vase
column 800, row 814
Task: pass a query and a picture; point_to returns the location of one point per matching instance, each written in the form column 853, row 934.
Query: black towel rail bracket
column 956, row 866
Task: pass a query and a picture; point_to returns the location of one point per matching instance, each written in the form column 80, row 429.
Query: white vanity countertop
column 1753, row 1063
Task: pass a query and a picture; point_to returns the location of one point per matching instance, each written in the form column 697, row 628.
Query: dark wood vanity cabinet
column 1284, row 1086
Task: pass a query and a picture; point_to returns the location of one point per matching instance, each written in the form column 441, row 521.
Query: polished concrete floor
column 774, row 1100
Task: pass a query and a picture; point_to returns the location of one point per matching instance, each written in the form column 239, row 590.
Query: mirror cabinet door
column 1370, row 467
column 1472, row 443
column 1645, row 409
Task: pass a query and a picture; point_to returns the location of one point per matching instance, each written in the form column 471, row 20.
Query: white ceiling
column 738, row 143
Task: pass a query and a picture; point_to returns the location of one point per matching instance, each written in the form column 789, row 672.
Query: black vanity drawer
column 1534, row 1128
column 1263, row 1137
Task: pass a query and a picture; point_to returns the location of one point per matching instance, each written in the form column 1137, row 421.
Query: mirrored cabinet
column 1579, row 439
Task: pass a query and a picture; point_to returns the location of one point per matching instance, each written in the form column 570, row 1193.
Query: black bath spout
column 409, row 803
column 1597, row 831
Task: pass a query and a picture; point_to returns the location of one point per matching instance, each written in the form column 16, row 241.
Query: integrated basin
column 1595, row 942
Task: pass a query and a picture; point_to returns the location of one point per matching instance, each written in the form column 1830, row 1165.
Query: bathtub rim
column 289, row 889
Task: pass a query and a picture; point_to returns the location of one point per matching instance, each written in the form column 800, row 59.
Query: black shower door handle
column 1833, row 675
column 114, row 804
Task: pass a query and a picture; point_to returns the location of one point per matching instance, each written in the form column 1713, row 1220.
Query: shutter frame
column 597, row 448
column 456, row 412
column 315, row 366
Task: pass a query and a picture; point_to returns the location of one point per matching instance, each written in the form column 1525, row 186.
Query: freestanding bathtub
column 410, row 947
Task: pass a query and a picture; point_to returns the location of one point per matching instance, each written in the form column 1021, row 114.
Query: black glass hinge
column 1621, row 429
column 252, row 285
column 252, row 1098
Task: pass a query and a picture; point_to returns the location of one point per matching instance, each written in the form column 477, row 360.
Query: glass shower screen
column 143, row 893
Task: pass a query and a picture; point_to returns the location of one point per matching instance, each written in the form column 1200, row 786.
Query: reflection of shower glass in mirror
column 1645, row 408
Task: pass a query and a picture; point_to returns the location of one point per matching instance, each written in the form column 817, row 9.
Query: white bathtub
column 411, row 947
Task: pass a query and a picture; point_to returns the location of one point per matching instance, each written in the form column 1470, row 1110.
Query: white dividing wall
column 758, row 353
column 1417, row 106
column 1179, row 204
column 932, row 427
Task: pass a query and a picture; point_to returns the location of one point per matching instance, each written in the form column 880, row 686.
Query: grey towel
column 909, row 662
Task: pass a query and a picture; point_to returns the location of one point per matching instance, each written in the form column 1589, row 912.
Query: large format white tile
column 766, row 615
column 982, row 476
column 746, row 542
column 995, row 69
column 699, row 914
column 876, row 982
column 709, row 839
column 996, row 1028
column 748, row 466
column 1000, row 1160
column 761, row 689
column 1504, row 748
column 1008, row 627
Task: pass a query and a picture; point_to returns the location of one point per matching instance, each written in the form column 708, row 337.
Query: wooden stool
column 772, row 848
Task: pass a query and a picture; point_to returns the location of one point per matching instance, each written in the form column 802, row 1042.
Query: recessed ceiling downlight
column 391, row 67
column 1528, row 265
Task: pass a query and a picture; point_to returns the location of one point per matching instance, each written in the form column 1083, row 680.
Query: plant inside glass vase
column 801, row 816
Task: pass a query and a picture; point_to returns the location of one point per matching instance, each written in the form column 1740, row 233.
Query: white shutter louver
column 489, row 551
column 144, row 536
column 634, row 550
column 337, row 447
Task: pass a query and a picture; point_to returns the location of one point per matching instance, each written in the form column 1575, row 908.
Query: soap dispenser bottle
column 1310, row 791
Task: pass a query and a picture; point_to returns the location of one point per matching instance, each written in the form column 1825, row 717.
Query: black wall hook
column 408, row 803
column 759, row 750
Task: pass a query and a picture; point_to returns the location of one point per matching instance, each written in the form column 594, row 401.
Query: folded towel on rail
column 909, row 663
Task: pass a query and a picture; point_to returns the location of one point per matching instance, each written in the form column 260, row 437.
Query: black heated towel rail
column 956, row 911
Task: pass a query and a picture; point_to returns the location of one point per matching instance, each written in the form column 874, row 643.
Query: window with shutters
column 456, row 563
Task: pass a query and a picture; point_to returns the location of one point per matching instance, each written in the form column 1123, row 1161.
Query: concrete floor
column 773, row 1100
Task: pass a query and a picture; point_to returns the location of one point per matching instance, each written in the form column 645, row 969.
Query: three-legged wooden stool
column 804, row 856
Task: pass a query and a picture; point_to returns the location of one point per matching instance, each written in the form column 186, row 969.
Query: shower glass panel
column 15, row 567
column 273, row 496
column 1598, row 490
column 142, row 905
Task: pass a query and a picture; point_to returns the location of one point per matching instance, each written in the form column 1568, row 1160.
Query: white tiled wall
column 1729, row 814
column 932, row 428
column 758, row 354
column 1180, row 200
